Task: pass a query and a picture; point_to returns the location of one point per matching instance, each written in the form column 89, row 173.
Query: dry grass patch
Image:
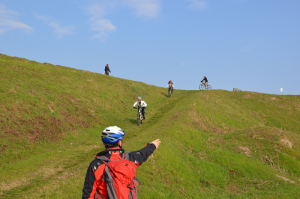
column 285, row 179
column 245, row 150
column 12, row 90
column 286, row 142
column 196, row 118
column 45, row 172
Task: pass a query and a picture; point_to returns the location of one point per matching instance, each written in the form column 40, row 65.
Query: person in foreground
column 141, row 103
column 96, row 184
column 205, row 82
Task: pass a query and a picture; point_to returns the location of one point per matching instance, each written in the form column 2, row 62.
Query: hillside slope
column 215, row 144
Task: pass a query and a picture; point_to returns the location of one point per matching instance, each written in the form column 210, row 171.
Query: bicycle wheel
column 170, row 93
column 201, row 87
column 209, row 87
column 138, row 119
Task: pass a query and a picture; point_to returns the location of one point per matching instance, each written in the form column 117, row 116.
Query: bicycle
column 170, row 91
column 202, row 87
column 139, row 116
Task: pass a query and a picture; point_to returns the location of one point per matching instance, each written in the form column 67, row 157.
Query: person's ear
column 120, row 143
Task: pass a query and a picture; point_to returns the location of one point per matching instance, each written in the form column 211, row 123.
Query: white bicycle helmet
column 112, row 135
column 139, row 98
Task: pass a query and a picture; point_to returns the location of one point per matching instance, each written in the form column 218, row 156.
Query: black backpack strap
column 138, row 180
column 103, row 158
column 108, row 178
column 110, row 185
column 135, row 187
column 127, row 155
column 96, row 196
column 131, row 196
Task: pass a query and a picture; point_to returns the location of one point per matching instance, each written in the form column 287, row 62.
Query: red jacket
column 93, row 181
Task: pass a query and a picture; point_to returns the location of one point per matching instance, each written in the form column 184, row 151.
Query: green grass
column 215, row 144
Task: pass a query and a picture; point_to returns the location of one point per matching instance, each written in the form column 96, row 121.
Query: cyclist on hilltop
column 95, row 185
column 141, row 104
column 170, row 85
column 205, row 82
column 106, row 69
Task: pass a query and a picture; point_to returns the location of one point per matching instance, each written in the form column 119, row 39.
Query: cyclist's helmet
column 139, row 98
column 112, row 134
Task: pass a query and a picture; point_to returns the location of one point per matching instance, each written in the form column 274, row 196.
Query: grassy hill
column 215, row 144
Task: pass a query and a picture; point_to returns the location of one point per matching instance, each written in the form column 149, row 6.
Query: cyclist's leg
column 143, row 111
column 206, row 85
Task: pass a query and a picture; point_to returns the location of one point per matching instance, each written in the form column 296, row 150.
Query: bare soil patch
column 245, row 150
column 287, row 142
column 217, row 130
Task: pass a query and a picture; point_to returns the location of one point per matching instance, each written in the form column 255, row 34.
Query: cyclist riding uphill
column 112, row 173
column 142, row 104
column 205, row 82
column 170, row 85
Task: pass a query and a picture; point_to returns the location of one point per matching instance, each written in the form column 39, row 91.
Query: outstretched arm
column 143, row 154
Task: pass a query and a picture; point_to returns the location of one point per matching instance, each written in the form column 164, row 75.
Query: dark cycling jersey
column 205, row 79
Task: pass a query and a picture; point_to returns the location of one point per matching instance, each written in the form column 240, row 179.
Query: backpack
column 120, row 178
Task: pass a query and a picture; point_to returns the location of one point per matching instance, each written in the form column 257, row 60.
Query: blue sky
column 252, row 45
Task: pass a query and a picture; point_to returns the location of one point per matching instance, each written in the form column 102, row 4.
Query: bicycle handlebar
column 138, row 107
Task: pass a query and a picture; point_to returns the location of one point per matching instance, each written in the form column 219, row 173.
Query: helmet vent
column 112, row 135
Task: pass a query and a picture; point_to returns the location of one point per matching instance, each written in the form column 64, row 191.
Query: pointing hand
column 156, row 143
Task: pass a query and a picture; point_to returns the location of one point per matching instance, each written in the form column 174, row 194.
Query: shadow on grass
column 166, row 95
column 132, row 121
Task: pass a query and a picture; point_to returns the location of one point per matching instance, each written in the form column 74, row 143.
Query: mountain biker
column 141, row 104
column 107, row 69
column 170, row 85
column 112, row 138
column 205, row 82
